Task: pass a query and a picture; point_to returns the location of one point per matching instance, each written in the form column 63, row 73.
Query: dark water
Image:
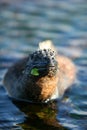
column 22, row 26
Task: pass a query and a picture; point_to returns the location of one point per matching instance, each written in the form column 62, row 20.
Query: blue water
column 22, row 26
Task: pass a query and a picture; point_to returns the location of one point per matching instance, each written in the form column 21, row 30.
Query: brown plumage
column 54, row 75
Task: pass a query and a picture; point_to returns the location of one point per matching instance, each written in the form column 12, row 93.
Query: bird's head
column 42, row 63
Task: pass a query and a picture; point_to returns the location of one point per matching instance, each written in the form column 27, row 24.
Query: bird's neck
column 47, row 85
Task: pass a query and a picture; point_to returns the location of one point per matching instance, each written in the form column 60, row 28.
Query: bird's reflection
column 39, row 116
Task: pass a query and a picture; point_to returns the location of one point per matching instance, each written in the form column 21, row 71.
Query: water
column 22, row 26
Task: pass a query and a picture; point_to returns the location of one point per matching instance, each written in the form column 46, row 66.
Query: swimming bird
column 42, row 76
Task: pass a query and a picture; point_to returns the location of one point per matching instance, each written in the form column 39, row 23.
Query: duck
column 42, row 76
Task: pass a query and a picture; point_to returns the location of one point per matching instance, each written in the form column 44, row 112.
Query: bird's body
column 41, row 76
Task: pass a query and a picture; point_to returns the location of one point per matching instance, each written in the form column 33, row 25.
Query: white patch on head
column 47, row 45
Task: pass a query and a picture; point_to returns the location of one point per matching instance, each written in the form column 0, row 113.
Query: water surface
column 22, row 26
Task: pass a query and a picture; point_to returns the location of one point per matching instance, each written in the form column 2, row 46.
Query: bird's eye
column 35, row 72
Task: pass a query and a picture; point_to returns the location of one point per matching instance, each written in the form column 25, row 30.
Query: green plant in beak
column 35, row 72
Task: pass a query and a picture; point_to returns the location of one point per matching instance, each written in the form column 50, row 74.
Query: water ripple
column 22, row 26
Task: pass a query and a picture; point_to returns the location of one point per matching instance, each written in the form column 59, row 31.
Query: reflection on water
column 39, row 116
column 22, row 26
